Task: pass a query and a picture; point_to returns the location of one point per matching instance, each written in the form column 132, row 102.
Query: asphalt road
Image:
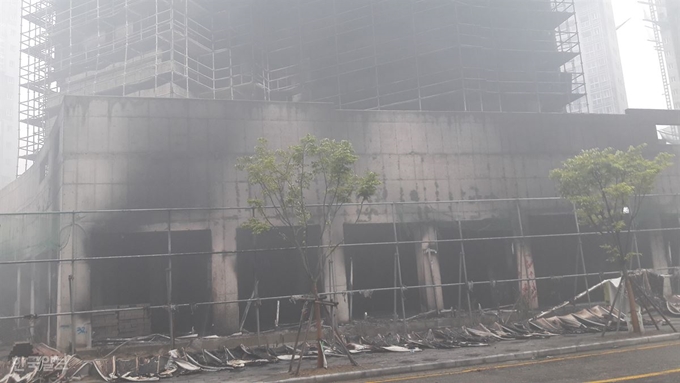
column 659, row 362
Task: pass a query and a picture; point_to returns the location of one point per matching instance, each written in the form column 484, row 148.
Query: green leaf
column 256, row 226
column 607, row 188
column 284, row 180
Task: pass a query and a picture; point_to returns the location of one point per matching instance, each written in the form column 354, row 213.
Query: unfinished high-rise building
column 601, row 58
column 437, row 55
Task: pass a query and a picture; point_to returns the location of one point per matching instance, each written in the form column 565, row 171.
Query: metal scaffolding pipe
column 397, row 268
column 349, row 204
column 344, row 245
column 171, row 313
column 464, row 267
column 291, row 297
column 71, row 279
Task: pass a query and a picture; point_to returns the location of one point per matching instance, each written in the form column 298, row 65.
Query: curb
column 525, row 355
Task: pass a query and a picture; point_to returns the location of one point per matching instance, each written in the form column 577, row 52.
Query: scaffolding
column 37, row 55
column 569, row 44
column 660, row 51
column 463, row 55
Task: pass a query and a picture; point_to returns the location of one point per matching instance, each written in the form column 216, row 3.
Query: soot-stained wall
column 132, row 153
column 140, row 153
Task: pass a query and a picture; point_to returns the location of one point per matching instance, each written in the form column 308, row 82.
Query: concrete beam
column 660, row 259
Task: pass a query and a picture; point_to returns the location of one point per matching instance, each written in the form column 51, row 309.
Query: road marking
column 635, row 377
column 535, row 362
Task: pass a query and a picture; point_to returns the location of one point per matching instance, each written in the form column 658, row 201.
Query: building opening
column 486, row 260
column 121, row 283
column 278, row 272
column 374, row 267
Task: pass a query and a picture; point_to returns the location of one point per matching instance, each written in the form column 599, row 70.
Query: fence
column 489, row 252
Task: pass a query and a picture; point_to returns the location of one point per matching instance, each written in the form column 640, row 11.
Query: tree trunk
column 633, row 306
column 317, row 316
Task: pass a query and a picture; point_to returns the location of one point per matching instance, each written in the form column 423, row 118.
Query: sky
column 638, row 57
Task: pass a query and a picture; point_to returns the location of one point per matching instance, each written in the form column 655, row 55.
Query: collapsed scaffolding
column 450, row 56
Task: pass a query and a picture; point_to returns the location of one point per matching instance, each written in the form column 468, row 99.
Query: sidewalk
column 389, row 363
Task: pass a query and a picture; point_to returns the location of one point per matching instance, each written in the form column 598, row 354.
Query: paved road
column 654, row 363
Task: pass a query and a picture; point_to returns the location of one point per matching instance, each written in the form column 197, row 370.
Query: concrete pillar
column 429, row 272
column 521, row 249
column 525, row 270
column 335, row 275
column 660, row 258
column 224, row 285
column 80, row 289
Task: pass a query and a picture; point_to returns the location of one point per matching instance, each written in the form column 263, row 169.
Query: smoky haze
column 638, row 56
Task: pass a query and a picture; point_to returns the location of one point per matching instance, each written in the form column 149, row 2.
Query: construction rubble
column 40, row 363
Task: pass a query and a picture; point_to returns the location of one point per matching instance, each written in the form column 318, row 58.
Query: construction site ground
column 279, row 371
column 648, row 363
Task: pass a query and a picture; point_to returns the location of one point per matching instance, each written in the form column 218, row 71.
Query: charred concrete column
column 74, row 282
column 521, row 249
column 525, row 271
column 661, row 258
column 224, row 279
column 659, row 249
column 429, row 273
column 335, row 275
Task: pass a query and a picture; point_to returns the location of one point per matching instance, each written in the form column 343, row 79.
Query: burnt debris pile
column 40, row 363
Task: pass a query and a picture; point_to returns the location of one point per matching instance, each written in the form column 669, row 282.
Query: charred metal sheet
column 106, row 368
column 179, row 361
column 673, row 305
column 571, row 324
column 400, row 349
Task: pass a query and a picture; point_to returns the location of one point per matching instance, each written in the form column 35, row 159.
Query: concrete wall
column 146, row 153
column 30, row 287
column 136, row 153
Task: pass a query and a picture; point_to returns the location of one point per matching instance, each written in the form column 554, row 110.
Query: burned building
column 136, row 203
column 129, row 220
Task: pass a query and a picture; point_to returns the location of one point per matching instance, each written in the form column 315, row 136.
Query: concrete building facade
column 9, row 92
column 105, row 154
column 600, row 55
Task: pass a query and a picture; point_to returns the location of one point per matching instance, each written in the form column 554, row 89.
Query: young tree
column 608, row 187
column 286, row 179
